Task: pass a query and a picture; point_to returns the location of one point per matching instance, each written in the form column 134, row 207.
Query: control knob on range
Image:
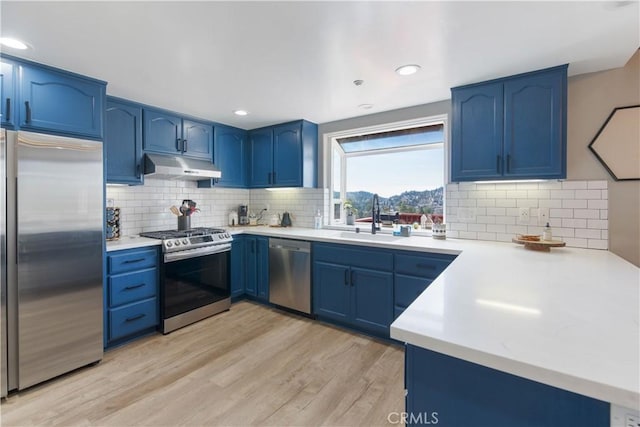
column 185, row 242
column 177, row 243
column 169, row 244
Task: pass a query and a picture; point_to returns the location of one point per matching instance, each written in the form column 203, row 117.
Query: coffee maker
column 243, row 215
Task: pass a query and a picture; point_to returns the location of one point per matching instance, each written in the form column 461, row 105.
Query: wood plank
column 252, row 365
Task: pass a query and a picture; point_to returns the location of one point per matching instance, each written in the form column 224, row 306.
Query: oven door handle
column 198, row 252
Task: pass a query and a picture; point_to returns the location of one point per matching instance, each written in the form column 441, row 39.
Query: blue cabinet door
column 287, row 155
column 331, row 291
column 477, row 132
column 237, row 265
column 260, row 158
column 123, row 142
column 57, row 102
column 197, row 139
column 162, row 132
column 250, row 266
column 230, row 155
column 262, row 268
column 534, row 122
column 372, row 300
column 7, row 94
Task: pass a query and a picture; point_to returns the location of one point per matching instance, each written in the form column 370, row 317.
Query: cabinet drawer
column 132, row 260
column 130, row 287
column 407, row 289
column 133, row 318
column 428, row 266
column 354, row 256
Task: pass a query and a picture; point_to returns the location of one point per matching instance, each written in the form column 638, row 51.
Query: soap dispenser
column 317, row 223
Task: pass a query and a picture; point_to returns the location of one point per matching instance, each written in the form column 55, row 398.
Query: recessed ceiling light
column 240, row 112
column 365, row 106
column 407, row 70
column 13, row 43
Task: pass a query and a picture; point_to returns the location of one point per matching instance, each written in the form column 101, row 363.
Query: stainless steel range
column 194, row 278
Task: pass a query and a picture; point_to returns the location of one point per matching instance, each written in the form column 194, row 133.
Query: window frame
column 330, row 144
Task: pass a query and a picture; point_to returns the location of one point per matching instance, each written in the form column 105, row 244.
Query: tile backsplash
column 578, row 211
column 146, row 207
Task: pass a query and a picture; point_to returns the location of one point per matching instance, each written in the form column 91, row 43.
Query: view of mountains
column 427, row 201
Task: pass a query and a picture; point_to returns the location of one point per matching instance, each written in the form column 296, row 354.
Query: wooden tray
column 542, row 245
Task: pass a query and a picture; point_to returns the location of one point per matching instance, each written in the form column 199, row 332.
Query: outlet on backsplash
column 524, row 216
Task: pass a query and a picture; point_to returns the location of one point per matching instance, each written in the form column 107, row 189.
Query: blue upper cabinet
column 261, row 157
column 59, row 102
column 168, row 133
column 123, row 142
column 197, row 139
column 284, row 155
column 535, row 131
column 230, row 155
column 7, row 93
column 162, row 132
column 476, row 149
column 511, row 128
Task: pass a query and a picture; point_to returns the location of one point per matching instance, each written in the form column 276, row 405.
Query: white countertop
column 569, row 318
column 130, row 242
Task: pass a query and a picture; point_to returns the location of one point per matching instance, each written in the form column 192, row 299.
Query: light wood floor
column 253, row 365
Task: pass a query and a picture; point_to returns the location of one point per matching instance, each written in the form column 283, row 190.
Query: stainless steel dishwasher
column 290, row 274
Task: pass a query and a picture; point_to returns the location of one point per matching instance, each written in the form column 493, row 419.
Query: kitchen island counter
column 568, row 318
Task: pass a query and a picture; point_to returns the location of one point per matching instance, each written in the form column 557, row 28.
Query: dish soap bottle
column 546, row 233
column 317, row 223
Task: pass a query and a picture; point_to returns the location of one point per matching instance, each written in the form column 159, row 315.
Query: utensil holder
column 439, row 231
column 184, row 222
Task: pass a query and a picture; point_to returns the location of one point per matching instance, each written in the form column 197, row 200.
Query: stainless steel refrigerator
column 52, row 243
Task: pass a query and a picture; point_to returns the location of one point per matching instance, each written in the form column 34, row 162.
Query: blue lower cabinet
column 237, row 266
column 353, row 286
column 450, row 392
column 132, row 318
column 250, row 266
column 131, row 294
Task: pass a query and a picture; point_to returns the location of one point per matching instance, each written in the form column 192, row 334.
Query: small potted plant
column 351, row 213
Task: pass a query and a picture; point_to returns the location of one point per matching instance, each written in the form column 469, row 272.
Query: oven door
column 189, row 284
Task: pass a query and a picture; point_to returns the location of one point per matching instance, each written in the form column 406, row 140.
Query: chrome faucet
column 375, row 214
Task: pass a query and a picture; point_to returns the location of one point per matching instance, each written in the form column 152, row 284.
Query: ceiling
column 288, row 60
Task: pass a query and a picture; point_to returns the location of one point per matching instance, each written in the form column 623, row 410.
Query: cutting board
column 542, row 245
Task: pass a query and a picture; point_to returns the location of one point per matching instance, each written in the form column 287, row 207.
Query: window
column 404, row 163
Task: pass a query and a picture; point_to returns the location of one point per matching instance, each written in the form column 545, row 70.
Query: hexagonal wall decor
column 617, row 143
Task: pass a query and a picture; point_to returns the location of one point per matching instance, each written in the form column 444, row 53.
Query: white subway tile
column 517, row 194
column 505, row 203
column 527, row 185
column 527, row 203
column 598, row 204
column 574, row 203
column 574, row 223
column 478, row 211
column 508, row 220
column 604, row 214
column 538, row 194
column 561, row 213
column 597, row 223
column 496, row 194
column 586, row 213
column 477, row 227
column 588, row 233
column 504, row 237
column 562, row 194
column 486, row 236
column 452, row 187
column 597, row 185
column 467, row 202
column 555, row 222
column 457, row 226
column 588, row 194
column 484, row 219
column 513, row 212
column 604, row 194
column 477, row 194
column 485, row 187
column 496, row 211
column 467, row 186
column 574, row 185
column 597, row 244
column 517, row 229
column 505, row 186
column 550, row 203
column 486, row 202
column 563, row 232
column 604, row 234
column 576, row 243
column 496, row 228
column 550, row 185
column 471, row 235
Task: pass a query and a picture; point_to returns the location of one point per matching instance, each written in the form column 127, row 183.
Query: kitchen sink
column 378, row 237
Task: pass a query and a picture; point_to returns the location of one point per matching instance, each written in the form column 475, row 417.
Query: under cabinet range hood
column 178, row 167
